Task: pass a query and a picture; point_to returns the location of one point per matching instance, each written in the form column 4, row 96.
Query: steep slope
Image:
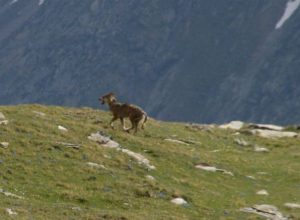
column 52, row 168
column 203, row 61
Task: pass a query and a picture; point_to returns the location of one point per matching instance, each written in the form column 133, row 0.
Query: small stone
column 76, row 208
column 9, row 194
column 107, row 156
column 11, row 212
column 207, row 167
column 260, row 149
column 138, row 157
column 292, row 205
column 149, row 177
column 69, row 145
column 179, row 201
column 39, row 113
column 62, row 128
column 95, row 165
column 103, row 140
column 176, row 141
column 262, row 192
column 4, row 122
column 4, row 144
column 251, row 177
column 241, row 142
column 262, row 173
column 2, row 117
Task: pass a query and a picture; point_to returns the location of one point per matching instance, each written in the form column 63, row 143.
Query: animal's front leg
column 112, row 122
column 123, row 124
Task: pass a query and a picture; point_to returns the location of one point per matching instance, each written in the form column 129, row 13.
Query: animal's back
column 133, row 110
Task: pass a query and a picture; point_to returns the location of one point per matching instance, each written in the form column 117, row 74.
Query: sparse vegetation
column 57, row 183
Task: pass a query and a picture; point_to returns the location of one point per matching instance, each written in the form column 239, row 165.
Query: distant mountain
column 197, row 60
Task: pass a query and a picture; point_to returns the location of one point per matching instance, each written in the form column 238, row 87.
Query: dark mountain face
column 197, row 60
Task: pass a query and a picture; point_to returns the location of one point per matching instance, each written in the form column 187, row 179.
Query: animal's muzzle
column 102, row 101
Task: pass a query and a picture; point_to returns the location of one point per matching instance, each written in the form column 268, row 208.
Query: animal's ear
column 113, row 99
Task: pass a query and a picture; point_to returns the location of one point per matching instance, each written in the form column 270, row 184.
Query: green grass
column 54, row 179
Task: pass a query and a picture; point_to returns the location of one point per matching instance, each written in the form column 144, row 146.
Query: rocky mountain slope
column 59, row 163
column 202, row 61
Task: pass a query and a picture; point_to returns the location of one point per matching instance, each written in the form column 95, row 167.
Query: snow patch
column 41, row 2
column 290, row 8
column 13, row 2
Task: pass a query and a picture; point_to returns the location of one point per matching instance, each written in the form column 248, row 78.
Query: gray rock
column 39, row 113
column 95, row 165
column 4, row 144
column 10, row 211
column 9, row 194
column 260, row 149
column 103, row 140
column 273, row 134
column 4, row 122
column 268, row 211
column 140, row 158
column 266, row 127
column 69, row 145
column 61, row 128
column 176, row 141
column 241, row 142
column 292, row 205
column 109, row 143
column 76, row 208
column 149, row 177
column 179, row 201
column 234, row 125
column 2, row 117
column 262, row 192
column 206, row 167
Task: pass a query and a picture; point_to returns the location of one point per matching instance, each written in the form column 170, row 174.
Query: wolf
column 124, row 110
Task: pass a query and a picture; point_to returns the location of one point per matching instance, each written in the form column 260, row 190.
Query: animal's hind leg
column 143, row 122
column 135, row 128
column 135, row 125
column 132, row 125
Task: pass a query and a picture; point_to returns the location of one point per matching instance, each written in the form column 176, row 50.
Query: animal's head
column 108, row 98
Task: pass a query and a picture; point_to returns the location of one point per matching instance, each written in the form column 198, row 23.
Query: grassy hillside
column 41, row 178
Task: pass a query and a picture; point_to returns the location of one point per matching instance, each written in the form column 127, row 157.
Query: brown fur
column 121, row 111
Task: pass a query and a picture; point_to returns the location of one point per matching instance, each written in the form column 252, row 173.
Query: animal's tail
column 145, row 119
